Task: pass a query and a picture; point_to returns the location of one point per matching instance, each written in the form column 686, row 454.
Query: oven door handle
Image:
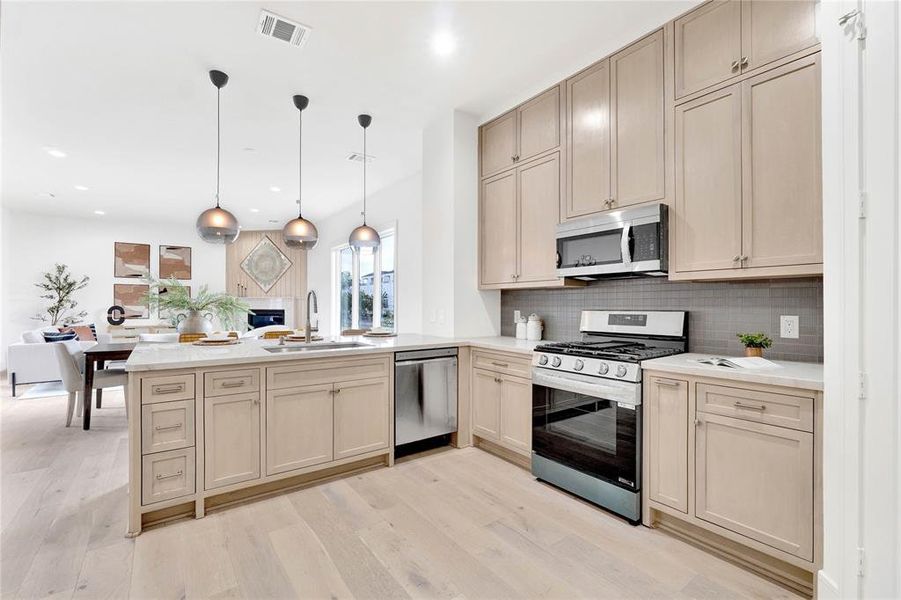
column 618, row 391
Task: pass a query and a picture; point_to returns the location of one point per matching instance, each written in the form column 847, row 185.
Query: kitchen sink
column 304, row 347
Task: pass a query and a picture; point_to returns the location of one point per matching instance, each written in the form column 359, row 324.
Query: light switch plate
column 788, row 326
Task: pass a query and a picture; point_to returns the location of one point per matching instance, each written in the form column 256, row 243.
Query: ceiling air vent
column 273, row 26
column 358, row 157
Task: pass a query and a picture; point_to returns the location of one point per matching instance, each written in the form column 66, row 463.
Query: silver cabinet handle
column 178, row 473
column 735, row 65
column 174, row 389
column 232, row 383
column 256, row 400
column 743, row 258
column 612, row 201
column 739, row 404
column 337, row 390
column 500, row 364
column 736, row 258
column 667, row 382
column 698, row 422
column 744, row 62
column 497, row 380
column 168, row 427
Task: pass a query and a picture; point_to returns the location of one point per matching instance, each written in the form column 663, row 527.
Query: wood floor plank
column 106, row 571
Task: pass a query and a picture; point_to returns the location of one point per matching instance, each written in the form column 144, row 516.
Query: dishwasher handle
column 420, row 361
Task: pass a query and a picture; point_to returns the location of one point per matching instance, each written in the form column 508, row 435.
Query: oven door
column 589, row 424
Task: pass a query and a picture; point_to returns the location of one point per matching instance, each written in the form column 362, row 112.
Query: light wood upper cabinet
column 362, row 415
column 756, row 480
column 516, row 414
column 708, row 46
column 666, row 424
column 636, row 92
column 772, row 29
column 299, row 430
column 498, row 144
column 486, row 403
column 723, row 39
column 232, row 439
column 539, row 212
column 782, row 221
column 708, row 182
column 525, row 132
column 539, row 125
column 589, row 182
column 498, row 223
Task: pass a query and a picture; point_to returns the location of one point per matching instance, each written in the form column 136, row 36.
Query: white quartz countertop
column 808, row 376
column 156, row 356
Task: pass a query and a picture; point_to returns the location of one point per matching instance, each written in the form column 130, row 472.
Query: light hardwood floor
column 452, row 524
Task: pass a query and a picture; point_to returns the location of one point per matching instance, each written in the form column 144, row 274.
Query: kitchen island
column 213, row 426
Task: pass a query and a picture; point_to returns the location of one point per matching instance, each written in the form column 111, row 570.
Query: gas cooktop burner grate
column 623, row 351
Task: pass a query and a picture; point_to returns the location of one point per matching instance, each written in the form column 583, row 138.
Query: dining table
column 95, row 358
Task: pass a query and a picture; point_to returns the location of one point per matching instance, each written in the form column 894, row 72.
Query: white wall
column 398, row 205
column 33, row 243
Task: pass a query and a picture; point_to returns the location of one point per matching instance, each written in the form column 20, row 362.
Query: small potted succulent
column 754, row 343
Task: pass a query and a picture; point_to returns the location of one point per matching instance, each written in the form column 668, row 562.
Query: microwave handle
column 625, row 245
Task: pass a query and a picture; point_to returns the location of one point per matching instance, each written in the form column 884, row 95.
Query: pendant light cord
column 218, row 144
column 299, row 163
column 364, row 175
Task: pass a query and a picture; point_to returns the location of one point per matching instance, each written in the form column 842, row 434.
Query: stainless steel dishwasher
column 425, row 394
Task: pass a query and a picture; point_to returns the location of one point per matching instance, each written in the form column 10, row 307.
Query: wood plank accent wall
column 293, row 283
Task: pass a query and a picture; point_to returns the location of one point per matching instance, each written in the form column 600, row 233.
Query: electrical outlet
column 517, row 315
column 788, row 326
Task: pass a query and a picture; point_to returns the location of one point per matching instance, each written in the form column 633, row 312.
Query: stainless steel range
column 586, row 404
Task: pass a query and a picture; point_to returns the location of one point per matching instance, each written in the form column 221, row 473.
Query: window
column 365, row 285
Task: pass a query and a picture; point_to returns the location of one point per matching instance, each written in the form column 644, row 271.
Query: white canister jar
column 520, row 328
column 534, row 327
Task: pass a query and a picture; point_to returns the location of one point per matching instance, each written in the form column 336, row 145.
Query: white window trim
column 390, row 230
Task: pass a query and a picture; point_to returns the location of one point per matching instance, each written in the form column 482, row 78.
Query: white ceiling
column 122, row 88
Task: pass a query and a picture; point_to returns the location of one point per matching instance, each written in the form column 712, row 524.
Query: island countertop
column 157, row 356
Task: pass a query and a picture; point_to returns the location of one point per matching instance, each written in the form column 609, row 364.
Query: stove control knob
column 542, row 360
column 555, row 362
column 621, row 371
column 579, row 365
column 603, row 368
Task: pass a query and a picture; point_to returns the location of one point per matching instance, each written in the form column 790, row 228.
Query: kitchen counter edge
column 805, row 376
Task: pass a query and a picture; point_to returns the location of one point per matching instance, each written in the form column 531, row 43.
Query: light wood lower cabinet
column 502, row 408
column 756, row 480
column 362, row 413
column 298, row 428
column 741, row 463
column 666, row 424
column 232, row 439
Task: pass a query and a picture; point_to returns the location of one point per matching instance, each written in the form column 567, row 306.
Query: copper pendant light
column 299, row 232
column 364, row 236
column 217, row 225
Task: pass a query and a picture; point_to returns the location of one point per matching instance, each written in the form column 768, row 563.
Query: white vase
column 194, row 322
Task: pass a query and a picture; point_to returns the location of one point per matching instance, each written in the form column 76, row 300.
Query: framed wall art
column 175, row 262
column 131, row 260
column 130, row 296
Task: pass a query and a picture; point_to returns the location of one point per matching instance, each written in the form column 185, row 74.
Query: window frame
column 388, row 231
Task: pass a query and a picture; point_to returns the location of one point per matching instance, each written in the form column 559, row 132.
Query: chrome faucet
column 308, row 334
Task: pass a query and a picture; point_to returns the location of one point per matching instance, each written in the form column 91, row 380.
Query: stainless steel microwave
column 625, row 242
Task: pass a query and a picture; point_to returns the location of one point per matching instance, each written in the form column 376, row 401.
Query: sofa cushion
column 59, row 336
column 85, row 333
column 33, row 336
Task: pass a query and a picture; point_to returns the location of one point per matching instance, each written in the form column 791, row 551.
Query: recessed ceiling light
column 81, row 188
column 273, row 220
column 54, row 152
column 248, row 149
column 99, row 212
column 254, row 210
column 45, row 195
column 444, row 43
column 274, row 188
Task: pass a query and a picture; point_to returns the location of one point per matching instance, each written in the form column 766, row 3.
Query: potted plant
column 754, row 343
column 194, row 315
column 59, row 288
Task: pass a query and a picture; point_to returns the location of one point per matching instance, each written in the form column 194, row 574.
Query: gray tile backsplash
column 717, row 310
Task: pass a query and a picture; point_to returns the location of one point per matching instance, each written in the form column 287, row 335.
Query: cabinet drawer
column 167, row 388
column 782, row 410
column 223, row 383
column 167, row 475
column 167, row 426
column 313, row 372
column 502, row 363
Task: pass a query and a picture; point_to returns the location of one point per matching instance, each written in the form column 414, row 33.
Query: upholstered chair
column 70, row 359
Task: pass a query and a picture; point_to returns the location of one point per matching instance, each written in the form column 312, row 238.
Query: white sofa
column 32, row 360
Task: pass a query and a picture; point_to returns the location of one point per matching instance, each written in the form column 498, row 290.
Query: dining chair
column 353, row 331
column 71, row 361
column 190, row 338
column 274, row 335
